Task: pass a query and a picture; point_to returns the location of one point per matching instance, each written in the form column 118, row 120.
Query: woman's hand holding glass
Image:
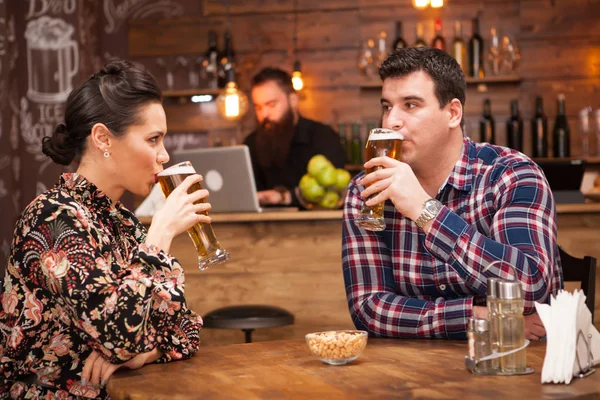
column 396, row 181
column 181, row 211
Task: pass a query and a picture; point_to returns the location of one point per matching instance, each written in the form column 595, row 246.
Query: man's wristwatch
column 431, row 208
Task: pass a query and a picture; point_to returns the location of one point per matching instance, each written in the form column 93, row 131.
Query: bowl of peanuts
column 337, row 347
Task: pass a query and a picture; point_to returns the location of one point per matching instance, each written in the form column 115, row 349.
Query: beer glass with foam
column 208, row 247
column 381, row 142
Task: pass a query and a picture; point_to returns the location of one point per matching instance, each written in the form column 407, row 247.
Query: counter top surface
column 388, row 368
column 321, row 215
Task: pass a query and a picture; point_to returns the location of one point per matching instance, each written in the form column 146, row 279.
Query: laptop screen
column 228, row 176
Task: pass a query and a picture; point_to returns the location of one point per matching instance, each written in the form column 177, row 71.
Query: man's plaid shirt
column 497, row 206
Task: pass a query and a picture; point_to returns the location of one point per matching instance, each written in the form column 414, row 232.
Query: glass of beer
column 208, row 247
column 381, row 142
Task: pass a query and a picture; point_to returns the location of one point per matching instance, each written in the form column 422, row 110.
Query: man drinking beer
column 452, row 207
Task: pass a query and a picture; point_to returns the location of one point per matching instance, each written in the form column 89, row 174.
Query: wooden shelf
column 470, row 81
column 588, row 160
column 191, row 92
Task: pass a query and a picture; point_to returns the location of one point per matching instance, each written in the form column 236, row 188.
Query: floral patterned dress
column 80, row 278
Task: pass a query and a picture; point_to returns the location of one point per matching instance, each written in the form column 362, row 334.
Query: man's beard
column 273, row 139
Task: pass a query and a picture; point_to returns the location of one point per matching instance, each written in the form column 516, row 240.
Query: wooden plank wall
column 329, row 39
column 559, row 42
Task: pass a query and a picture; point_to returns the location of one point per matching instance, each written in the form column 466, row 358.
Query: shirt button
column 442, row 287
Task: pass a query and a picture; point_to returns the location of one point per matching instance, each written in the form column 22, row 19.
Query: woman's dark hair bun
column 113, row 97
column 116, row 67
column 58, row 146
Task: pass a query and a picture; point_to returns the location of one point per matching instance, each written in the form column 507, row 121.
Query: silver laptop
column 228, row 176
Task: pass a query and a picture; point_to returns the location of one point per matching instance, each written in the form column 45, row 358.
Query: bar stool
column 247, row 318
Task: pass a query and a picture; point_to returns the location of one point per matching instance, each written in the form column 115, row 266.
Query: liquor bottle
column 459, row 48
column 539, row 130
column 562, row 133
column 494, row 54
column 476, row 52
column 382, row 48
column 514, row 127
column 438, row 41
column 211, row 61
column 420, row 42
column 487, row 129
column 356, row 145
column 344, row 141
column 399, row 42
column 227, row 60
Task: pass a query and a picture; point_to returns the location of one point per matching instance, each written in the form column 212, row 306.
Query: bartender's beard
column 273, row 139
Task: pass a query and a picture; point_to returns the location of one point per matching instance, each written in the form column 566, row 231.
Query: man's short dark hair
column 448, row 78
column 277, row 75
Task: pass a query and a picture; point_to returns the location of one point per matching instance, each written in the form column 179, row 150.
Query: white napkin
column 151, row 204
column 563, row 319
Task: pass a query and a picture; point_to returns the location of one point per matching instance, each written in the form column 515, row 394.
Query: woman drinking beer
column 88, row 289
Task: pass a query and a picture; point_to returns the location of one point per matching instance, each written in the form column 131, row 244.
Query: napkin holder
column 587, row 367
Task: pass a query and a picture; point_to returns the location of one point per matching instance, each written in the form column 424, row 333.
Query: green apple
column 316, row 164
column 306, row 181
column 312, row 191
column 327, row 176
column 330, row 199
column 342, row 179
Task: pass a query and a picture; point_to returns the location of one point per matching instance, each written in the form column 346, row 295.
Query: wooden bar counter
column 292, row 259
column 387, row 369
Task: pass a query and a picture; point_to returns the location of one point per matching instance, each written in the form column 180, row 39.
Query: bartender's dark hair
column 448, row 77
column 113, row 96
column 277, row 75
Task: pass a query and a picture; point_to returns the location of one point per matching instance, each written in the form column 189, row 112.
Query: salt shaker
column 478, row 335
column 511, row 326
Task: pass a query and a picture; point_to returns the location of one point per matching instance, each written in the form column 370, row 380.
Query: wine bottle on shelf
column 420, row 42
column 399, row 42
column 514, row 127
column 459, row 48
column 539, row 130
column 227, row 60
column 476, row 52
column 487, row 128
column 438, row 41
column 211, row 61
column 562, row 133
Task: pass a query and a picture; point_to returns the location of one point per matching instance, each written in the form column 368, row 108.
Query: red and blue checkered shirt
column 497, row 206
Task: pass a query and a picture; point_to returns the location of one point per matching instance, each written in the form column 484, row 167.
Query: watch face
column 433, row 206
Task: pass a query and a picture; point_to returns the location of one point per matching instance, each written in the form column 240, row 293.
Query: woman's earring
column 106, row 153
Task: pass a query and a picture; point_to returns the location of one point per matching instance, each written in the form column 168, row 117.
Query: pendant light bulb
column 232, row 103
column 420, row 4
column 297, row 81
column 437, row 3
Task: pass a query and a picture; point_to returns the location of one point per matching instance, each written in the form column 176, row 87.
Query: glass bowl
column 337, row 347
column 312, row 206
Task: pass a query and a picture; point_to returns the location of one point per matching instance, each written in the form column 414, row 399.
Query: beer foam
column 178, row 170
column 385, row 134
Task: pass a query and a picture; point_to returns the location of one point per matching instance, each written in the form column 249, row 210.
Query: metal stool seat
column 247, row 318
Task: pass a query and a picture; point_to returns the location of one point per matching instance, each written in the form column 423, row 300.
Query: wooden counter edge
column 269, row 216
column 337, row 214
